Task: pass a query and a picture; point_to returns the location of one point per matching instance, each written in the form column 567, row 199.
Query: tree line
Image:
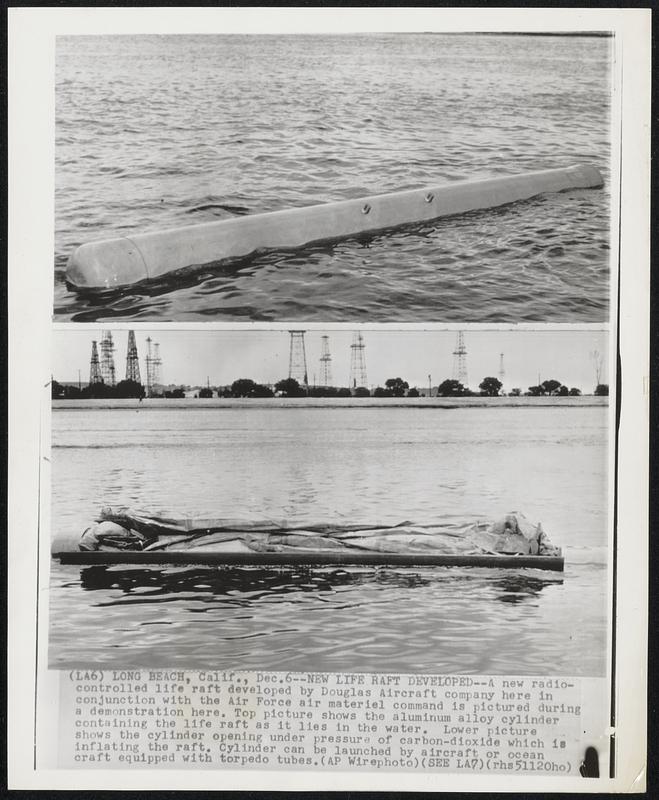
column 103, row 391
column 289, row 387
column 491, row 387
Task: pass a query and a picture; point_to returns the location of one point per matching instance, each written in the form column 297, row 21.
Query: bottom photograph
column 330, row 500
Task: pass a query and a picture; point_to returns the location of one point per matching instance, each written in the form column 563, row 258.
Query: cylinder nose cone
column 586, row 176
column 105, row 265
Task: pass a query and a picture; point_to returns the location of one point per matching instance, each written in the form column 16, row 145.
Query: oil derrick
column 325, row 362
column 94, row 366
column 157, row 364
column 460, row 360
column 596, row 358
column 149, row 368
column 153, row 363
column 132, row 361
column 357, row 361
column 297, row 360
column 502, row 371
column 107, row 359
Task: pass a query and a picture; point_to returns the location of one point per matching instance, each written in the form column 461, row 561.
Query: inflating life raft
column 125, row 536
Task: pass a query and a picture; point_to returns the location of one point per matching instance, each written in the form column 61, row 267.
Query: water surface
column 155, row 132
column 370, row 465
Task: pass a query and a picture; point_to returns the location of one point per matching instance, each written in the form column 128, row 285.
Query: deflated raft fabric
column 122, row 529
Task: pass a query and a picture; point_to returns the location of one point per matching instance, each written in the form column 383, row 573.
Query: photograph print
column 321, row 467
column 452, row 177
column 330, row 500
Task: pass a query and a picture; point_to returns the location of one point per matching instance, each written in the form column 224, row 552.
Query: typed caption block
column 215, row 719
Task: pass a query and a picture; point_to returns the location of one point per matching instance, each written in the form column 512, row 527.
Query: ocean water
column 160, row 131
column 362, row 465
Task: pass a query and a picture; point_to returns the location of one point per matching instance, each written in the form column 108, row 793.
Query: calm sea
column 372, row 465
column 161, row 131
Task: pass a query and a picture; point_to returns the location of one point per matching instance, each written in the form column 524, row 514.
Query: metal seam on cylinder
column 146, row 269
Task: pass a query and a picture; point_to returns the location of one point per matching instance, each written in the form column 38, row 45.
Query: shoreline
column 588, row 401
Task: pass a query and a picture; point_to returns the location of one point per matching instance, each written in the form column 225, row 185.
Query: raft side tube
column 118, row 262
column 329, row 558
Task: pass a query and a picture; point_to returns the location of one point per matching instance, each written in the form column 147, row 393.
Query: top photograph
column 404, row 178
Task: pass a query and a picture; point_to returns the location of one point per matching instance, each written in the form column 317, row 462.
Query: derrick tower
column 153, row 362
column 325, row 362
column 297, row 359
column 596, row 358
column 157, row 365
column 357, row 361
column 132, row 361
column 107, row 359
column 502, row 371
column 460, row 360
column 94, row 366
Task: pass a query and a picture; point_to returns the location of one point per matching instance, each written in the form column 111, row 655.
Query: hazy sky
column 190, row 356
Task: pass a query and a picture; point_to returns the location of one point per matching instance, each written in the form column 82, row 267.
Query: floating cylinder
column 110, row 263
column 307, row 558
